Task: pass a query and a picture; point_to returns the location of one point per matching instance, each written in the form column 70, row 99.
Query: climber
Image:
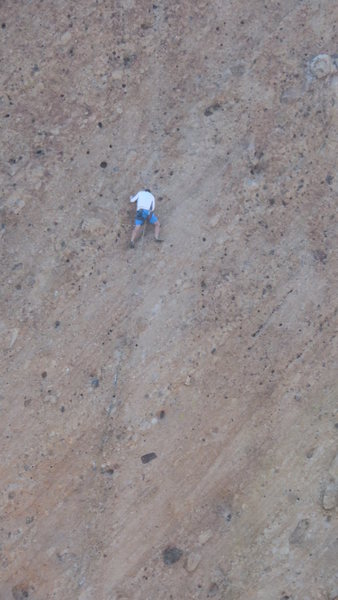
column 144, row 212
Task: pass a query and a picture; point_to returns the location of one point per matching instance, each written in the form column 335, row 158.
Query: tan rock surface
column 216, row 351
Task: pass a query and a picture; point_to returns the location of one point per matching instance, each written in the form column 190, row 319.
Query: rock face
column 168, row 414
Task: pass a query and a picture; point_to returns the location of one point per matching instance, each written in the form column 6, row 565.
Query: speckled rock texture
column 168, row 414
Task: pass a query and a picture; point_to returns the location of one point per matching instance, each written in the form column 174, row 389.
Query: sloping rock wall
column 168, row 414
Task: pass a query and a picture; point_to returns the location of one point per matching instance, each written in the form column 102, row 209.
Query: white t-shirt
column 145, row 200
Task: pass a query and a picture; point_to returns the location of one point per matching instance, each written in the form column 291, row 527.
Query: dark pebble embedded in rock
column 107, row 470
column 148, row 457
column 211, row 109
column 20, row 592
column 103, row 164
column 320, row 255
column 171, row 555
column 129, row 60
column 213, row 590
column 95, row 382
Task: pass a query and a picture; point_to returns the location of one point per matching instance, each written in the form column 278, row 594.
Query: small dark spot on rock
column 213, row 590
column 320, row 255
column 148, row 457
column 211, row 109
column 213, row 351
column 39, row 151
column 103, row 165
column 62, row 409
column 20, row 592
column 329, row 179
column 3, row 25
column 129, row 60
column 107, row 470
column 95, row 382
column 57, row 324
column 171, row 555
column 162, row 414
column 100, row 124
column 44, row 374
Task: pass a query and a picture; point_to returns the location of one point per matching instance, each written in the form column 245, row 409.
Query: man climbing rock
column 144, row 212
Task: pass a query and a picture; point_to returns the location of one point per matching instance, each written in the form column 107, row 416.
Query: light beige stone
column 330, row 498
column 205, row 536
column 92, row 225
column 117, row 75
column 215, row 220
column 193, row 561
column 66, row 37
column 333, row 470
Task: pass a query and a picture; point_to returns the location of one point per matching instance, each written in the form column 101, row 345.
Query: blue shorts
column 142, row 215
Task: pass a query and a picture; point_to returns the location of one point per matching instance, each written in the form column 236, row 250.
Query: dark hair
column 147, row 190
